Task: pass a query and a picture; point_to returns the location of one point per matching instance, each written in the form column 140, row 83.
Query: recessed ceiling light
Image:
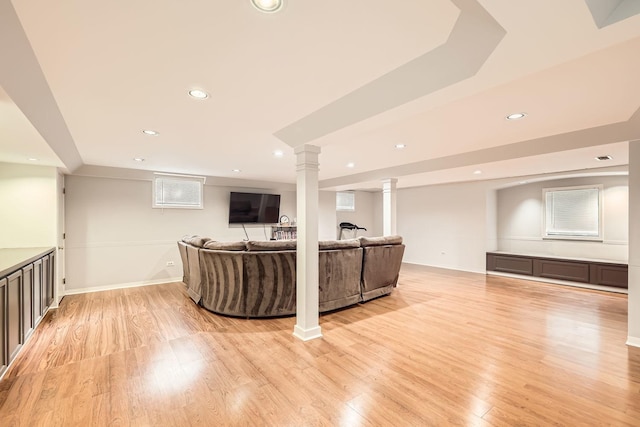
column 198, row 94
column 268, row 6
column 524, row 182
column 278, row 153
column 351, row 165
column 603, row 158
column 401, row 146
column 33, row 159
column 150, row 132
column 477, row 172
column 516, row 116
column 236, row 170
column 138, row 159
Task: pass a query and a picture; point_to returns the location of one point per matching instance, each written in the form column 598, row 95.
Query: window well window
column 178, row 191
column 573, row 212
column 345, row 201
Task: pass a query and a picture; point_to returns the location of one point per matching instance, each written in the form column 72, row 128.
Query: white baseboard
column 307, row 334
column 633, row 341
column 466, row 270
column 122, row 286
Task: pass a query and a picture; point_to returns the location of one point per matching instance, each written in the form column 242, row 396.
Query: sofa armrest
column 182, row 248
column 339, row 278
column 380, row 269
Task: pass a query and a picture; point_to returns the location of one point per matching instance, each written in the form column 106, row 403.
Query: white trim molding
column 633, row 341
column 122, row 286
column 307, row 334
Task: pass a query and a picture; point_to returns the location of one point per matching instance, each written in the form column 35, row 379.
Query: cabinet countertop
column 12, row 259
column 564, row 258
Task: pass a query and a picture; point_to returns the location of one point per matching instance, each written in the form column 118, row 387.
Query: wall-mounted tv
column 254, row 208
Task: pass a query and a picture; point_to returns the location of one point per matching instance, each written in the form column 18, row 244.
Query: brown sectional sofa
column 258, row 278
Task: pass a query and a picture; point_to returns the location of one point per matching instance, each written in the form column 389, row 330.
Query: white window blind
column 178, row 191
column 345, row 201
column 573, row 213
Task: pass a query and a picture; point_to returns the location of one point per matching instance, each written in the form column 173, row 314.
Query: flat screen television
column 254, row 208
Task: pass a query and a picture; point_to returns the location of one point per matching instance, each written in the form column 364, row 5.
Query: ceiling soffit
column 607, row 134
column 607, row 12
column 473, row 38
column 20, row 69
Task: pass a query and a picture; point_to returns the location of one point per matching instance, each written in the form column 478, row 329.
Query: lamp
column 268, row 6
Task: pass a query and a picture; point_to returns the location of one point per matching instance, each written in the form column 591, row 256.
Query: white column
column 389, row 206
column 633, row 328
column 307, row 312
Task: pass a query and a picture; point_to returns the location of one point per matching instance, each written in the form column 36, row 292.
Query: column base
column 307, row 334
column 633, row 342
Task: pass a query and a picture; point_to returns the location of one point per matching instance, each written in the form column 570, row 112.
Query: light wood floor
column 445, row 348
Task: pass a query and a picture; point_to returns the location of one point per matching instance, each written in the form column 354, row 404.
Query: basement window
column 346, row 201
column 178, row 191
column 573, row 213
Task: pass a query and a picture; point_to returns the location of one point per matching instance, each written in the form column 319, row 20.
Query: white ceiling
column 79, row 81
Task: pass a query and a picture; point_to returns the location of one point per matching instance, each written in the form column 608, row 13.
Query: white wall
column 327, row 215
column 114, row 237
column 446, row 225
column 28, row 206
column 520, row 220
column 363, row 216
column 378, row 224
column 492, row 220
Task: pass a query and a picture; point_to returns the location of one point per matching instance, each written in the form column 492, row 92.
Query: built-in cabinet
column 14, row 329
column 26, row 293
column 27, row 302
column 595, row 272
column 4, row 358
column 36, row 302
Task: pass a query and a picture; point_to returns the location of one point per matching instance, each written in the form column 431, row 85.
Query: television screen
column 253, row 208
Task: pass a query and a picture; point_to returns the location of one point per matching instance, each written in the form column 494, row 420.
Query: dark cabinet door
column 52, row 279
column 44, row 284
column 4, row 345
column 27, row 306
column 14, row 327
column 37, row 291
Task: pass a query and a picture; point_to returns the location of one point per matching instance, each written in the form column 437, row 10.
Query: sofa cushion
column 380, row 241
column 187, row 237
column 198, row 241
column 271, row 245
column 326, row 245
column 225, row 246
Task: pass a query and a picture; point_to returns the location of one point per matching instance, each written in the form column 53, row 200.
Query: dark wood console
column 593, row 272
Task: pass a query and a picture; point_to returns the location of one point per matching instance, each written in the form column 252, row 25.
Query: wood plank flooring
column 445, row 348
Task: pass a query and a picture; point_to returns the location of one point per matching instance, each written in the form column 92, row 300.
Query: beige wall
column 453, row 226
column 115, row 237
column 28, row 206
column 520, row 220
column 446, row 225
column 378, row 225
column 363, row 216
column 327, row 215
